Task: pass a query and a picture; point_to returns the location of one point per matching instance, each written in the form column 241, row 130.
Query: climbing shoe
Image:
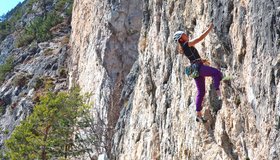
column 201, row 119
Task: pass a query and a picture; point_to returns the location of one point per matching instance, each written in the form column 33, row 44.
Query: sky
column 7, row 5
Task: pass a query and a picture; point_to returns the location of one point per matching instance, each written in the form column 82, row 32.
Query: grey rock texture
column 157, row 120
column 104, row 46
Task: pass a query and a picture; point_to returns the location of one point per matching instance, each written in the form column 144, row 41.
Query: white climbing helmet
column 177, row 35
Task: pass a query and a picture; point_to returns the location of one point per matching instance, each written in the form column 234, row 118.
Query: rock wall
column 123, row 53
column 104, row 47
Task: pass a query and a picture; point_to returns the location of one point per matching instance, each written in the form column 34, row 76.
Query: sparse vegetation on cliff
column 8, row 25
column 50, row 131
column 39, row 27
column 6, row 68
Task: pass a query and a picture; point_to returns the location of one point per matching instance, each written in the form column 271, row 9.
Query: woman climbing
column 198, row 69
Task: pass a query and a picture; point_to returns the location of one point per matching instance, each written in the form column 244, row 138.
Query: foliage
column 24, row 40
column 41, row 85
column 63, row 72
column 39, row 29
column 48, row 52
column 227, row 79
column 5, row 29
column 69, row 9
column 6, row 68
column 49, row 131
column 2, row 110
column 38, row 83
column 8, row 25
column 20, row 80
column 60, row 5
column 31, row 2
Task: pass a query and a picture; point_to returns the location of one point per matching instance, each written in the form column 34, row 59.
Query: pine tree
column 50, row 130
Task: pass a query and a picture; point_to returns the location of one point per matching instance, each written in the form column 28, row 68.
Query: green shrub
column 5, row 29
column 20, row 80
column 39, row 29
column 63, row 72
column 31, row 3
column 6, row 132
column 48, row 83
column 69, row 9
column 64, row 4
column 6, row 68
column 45, row 83
column 39, row 83
column 2, row 110
column 48, row 132
column 48, row 52
column 24, row 40
column 60, row 5
column 8, row 26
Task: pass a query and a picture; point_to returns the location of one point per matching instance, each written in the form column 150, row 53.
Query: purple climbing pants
column 205, row 71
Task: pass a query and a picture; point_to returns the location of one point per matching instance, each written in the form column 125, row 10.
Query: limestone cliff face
column 104, row 46
column 123, row 53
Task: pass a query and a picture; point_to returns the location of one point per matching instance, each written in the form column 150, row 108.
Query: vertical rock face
column 157, row 120
column 104, row 47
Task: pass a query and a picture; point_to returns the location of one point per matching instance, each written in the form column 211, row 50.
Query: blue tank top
column 190, row 52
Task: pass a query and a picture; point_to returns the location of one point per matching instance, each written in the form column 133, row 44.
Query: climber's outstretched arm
column 201, row 37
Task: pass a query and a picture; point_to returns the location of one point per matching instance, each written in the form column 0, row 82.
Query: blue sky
column 7, row 5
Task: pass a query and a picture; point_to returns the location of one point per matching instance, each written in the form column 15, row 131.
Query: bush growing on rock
column 39, row 29
column 6, row 68
column 20, row 80
column 49, row 132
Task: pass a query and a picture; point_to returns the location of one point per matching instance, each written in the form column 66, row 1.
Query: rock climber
column 198, row 70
